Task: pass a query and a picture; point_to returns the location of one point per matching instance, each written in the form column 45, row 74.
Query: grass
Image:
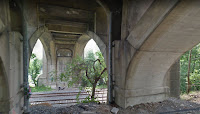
column 40, row 89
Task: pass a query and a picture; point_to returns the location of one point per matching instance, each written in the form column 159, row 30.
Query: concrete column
column 43, row 79
column 122, row 54
column 174, row 79
column 4, row 100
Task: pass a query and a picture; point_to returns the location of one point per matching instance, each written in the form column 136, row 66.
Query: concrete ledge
column 146, row 91
column 2, row 26
column 131, row 101
column 137, row 96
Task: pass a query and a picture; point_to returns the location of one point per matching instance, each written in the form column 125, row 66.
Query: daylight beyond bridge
column 140, row 41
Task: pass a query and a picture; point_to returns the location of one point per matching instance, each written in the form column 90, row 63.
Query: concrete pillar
column 4, row 102
column 43, row 79
column 174, row 79
column 122, row 54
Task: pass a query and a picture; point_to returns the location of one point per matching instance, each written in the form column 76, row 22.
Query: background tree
column 34, row 68
column 194, row 69
column 91, row 68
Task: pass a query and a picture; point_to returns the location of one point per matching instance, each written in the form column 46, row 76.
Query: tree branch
column 86, row 73
column 95, row 62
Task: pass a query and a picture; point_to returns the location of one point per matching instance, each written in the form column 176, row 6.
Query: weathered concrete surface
column 149, row 21
column 16, row 76
column 172, row 79
column 132, row 12
column 177, row 33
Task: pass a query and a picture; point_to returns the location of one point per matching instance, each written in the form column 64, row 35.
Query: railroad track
column 65, row 97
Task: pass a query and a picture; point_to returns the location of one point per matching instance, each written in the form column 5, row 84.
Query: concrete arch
column 49, row 60
column 99, row 42
column 4, row 90
column 45, row 37
column 104, row 6
column 176, row 34
column 83, row 40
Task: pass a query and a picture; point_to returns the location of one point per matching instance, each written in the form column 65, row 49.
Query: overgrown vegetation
column 34, row 68
column 40, row 89
column 194, row 69
column 87, row 72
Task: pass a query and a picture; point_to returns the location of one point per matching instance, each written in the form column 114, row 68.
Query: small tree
column 34, row 68
column 90, row 68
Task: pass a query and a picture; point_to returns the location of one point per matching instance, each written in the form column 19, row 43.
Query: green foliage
column 34, row 68
column 194, row 71
column 87, row 71
column 40, row 88
column 89, row 99
column 78, row 95
column 195, row 80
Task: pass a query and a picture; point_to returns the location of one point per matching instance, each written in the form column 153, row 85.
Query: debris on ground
column 169, row 106
column 114, row 110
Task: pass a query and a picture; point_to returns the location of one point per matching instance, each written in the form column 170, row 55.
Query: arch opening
column 36, row 65
column 68, row 32
column 189, row 73
column 92, row 47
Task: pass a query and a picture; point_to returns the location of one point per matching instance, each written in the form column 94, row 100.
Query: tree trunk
column 188, row 76
column 93, row 89
column 194, row 64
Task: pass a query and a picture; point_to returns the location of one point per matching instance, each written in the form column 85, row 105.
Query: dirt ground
column 169, row 106
column 192, row 96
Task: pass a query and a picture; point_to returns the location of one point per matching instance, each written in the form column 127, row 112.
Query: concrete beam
column 66, row 39
column 48, row 11
column 64, row 35
column 64, row 42
column 67, row 23
column 65, row 29
column 179, row 32
column 81, row 4
column 150, row 20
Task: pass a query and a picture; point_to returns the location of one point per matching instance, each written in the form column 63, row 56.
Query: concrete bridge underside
column 148, row 38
